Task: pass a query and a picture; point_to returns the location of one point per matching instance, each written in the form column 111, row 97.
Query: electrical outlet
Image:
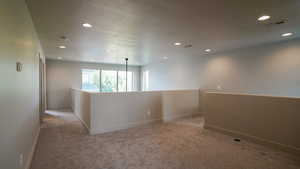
column 21, row 160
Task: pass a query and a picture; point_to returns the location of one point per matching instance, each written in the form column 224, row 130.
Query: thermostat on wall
column 19, row 66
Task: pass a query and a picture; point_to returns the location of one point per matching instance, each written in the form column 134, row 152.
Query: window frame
column 145, row 80
column 133, row 86
column 81, row 84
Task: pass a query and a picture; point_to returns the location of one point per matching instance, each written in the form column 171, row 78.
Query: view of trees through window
column 111, row 80
column 91, row 80
column 108, row 81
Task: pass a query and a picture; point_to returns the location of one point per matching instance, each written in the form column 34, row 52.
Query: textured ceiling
column 145, row 30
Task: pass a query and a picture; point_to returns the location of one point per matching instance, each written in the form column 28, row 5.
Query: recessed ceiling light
column 59, row 58
column 165, row 57
column 287, row 34
column 264, row 17
column 62, row 47
column 207, row 50
column 177, row 43
column 87, row 25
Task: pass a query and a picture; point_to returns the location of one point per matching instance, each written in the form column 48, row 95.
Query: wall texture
column 265, row 119
column 271, row 69
column 19, row 91
column 64, row 75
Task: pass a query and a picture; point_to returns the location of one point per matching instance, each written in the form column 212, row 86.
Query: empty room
column 150, row 84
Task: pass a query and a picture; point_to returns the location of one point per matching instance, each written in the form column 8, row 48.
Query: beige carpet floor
column 182, row 144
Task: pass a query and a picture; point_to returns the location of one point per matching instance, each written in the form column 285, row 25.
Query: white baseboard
column 32, row 150
column 122, row 127
column 168, row 118
column 258, row 140
column 135, row 124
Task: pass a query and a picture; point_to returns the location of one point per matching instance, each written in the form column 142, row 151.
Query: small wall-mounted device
column 19, row 66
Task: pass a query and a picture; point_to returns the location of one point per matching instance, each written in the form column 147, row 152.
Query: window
column 122, row 81
column 145, row 80
column 108, row 81
column 111, row 80
column 90, row 80
column 130, row 81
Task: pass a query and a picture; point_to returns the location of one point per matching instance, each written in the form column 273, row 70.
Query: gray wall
column 264, row 119
column 64, row 75
column 19, row 98
column 271, row 69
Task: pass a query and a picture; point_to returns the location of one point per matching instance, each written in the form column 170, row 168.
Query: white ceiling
column 145, row 30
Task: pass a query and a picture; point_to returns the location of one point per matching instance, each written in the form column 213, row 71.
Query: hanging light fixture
column 126, row 60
